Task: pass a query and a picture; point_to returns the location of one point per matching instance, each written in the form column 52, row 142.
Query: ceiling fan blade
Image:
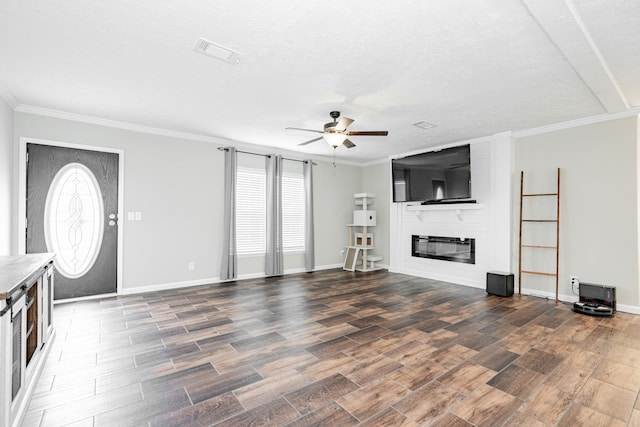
column 343, row 124
column 310, row 141
column 348, row 144
column 305, row 130
column 368, row 133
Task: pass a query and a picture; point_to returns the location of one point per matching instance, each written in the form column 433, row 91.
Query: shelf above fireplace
column 458, row 208
column 445, row 207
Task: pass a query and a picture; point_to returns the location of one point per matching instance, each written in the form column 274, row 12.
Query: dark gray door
column 72, row 205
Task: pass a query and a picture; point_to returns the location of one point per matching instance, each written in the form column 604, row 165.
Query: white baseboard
column 212, row 280
column 444, row 278
column 573, row 298
column 548, row 295
column 632, row 309
column 167, row 286
column 87, row 298
column 291, row 271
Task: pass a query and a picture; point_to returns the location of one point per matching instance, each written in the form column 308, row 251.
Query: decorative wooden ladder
column 555, row 247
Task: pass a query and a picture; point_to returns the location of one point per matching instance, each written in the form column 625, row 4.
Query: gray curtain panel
column 274, row 259
column 229, row 269
column 309, row 252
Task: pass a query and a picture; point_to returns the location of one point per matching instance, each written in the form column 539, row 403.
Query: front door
column 72, row 205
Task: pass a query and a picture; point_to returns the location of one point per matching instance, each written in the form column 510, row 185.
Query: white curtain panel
column 229, row 268
column 274, row 259
column 309, row 252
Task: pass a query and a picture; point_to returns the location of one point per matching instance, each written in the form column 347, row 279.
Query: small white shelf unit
column 359, row 239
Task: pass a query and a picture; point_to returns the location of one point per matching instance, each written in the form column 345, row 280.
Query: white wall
column 377, row 179
column 488, row 221
column 599, row 204
column 6, row 175
column 177, row 184
column 452, row 221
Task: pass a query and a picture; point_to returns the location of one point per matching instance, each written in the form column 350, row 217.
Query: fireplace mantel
column 445, row 207
column 458, row 208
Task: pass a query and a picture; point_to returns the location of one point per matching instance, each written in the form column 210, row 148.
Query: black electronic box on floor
column 596, row 300
column 500, row 283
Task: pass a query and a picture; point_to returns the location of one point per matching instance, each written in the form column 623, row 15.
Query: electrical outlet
column 341, row 252
column 574, row 281
column 192, row 266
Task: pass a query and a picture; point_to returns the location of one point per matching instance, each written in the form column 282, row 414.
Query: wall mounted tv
column 433, row 177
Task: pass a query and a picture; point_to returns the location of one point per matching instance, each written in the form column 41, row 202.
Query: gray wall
column 177, row 184
column 174, row 183
column 377, row 179
column 333, row 197
column 6, row 176
column 334, row 188
column 599, row 203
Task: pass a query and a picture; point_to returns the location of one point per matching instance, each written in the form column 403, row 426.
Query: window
column 74, row 220
column 251, row 211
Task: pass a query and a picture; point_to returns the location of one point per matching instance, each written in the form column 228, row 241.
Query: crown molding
column 443, row 146
column 22, row 108
column 293, row 155
column 577, row 123
column 222, row 141
column 374, row 162
column 7, row 95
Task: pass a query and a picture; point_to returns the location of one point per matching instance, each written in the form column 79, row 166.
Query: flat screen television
column 435, row 176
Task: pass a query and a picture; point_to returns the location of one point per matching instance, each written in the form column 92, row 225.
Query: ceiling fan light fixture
column 335, row 132
column 334, row 139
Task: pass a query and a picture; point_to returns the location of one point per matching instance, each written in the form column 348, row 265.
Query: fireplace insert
column 453, row 249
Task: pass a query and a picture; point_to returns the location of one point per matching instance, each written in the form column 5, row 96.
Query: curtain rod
column 266, row 155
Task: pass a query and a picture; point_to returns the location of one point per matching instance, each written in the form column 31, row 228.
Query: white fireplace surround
column 488, row 221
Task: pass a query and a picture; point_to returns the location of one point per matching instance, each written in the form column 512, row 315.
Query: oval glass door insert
column 74, row 220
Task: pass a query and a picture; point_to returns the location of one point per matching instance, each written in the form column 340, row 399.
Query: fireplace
column 453, row 249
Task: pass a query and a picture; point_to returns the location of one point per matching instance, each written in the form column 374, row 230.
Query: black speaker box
column 500, row 283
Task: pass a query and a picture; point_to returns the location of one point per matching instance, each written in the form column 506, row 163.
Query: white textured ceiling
column 472, row 68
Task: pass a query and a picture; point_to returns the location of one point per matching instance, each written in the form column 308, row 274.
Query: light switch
column 138, row 216
column 131, row 216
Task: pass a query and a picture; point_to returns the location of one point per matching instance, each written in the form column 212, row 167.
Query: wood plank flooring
column 336, row 348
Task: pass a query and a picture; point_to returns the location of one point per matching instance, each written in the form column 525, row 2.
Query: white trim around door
column 22, row 192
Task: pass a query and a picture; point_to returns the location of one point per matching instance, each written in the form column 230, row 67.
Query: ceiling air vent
column 423, row 125
column 217, row 51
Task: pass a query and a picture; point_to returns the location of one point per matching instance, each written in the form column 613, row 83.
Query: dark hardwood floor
column 337, row 349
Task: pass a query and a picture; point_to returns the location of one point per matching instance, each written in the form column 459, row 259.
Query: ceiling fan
column 336, row 134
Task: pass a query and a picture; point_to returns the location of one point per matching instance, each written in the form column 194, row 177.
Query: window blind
column 251, row 211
